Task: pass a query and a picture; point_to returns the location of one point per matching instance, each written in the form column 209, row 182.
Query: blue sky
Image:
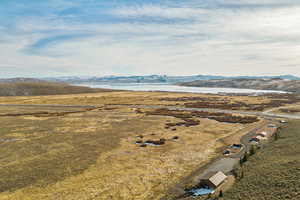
column 135, row 37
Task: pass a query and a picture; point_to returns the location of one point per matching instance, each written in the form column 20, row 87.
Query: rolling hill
column 156, row 78
column 274, row 172
column 259, row 84
column 34, row 87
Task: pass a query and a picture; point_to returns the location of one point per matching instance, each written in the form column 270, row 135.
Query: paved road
column 245, row 141
column 224, row 164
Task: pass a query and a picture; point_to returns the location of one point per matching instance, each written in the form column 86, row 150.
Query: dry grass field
column 291, row 110
column 48, row 153
column 242, row 102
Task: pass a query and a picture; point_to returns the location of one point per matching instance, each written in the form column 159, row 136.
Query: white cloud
column 151, row 10
column 262, row 2
column 208, row 41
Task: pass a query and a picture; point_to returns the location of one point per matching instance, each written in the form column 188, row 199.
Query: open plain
column 96, row 146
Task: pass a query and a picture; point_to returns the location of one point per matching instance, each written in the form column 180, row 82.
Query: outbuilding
column 213, row 179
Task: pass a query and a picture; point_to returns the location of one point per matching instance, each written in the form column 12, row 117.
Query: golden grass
column 93, row 155
column 124, row 97
column 290, row 109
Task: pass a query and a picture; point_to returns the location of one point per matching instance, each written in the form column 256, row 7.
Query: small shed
column 213, row 179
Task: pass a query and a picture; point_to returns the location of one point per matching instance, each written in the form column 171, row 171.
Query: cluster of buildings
column 209, row 183
column 263, row 135
column 259, row 137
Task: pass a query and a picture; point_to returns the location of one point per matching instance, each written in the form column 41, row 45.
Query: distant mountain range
column 279, row 84
column 287, row 83
column 20, row 80
column 157, row 78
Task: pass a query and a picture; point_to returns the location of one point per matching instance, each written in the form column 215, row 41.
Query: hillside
column 259, row 84
column 27, row 88
column 274, row 172
column 156, row 78
column 19, row 80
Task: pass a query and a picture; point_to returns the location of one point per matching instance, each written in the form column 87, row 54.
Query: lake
column 171, row 88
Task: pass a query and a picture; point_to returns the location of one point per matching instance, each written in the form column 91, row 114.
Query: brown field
column 233, row 102
column 292, row 109
column 289, row 110
column 80, row 153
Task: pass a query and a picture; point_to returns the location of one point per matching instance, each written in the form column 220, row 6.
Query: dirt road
column 224, row 164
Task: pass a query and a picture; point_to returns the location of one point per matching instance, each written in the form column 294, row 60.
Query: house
column 213, row 179
column 283, row 121
column 263, row 134
column 261, row 137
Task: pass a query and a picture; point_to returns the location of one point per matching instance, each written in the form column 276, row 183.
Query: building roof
column 261, row 135
column 264, row 133
column 216, row 178
column 261, row 138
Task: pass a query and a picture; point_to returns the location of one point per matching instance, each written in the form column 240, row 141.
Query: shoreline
column 173, row 88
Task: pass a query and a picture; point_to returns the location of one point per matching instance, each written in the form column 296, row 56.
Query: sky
column 141, row 37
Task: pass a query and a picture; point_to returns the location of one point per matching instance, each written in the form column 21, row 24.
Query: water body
column 172, row 88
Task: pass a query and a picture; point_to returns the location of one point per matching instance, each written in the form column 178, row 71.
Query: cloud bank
column 232, row 37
